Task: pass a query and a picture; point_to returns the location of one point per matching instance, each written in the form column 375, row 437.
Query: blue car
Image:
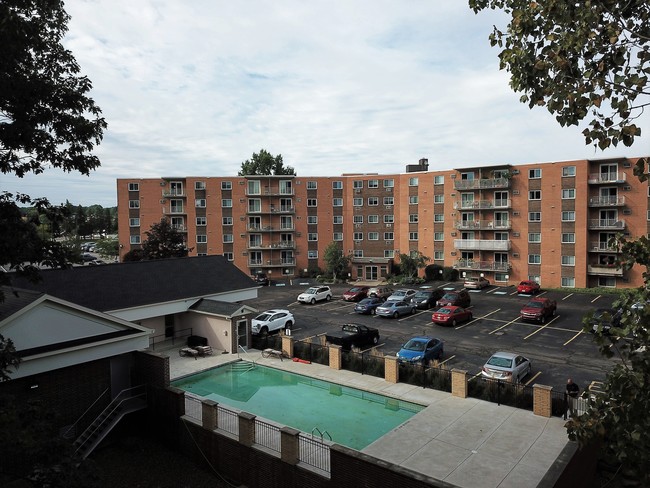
column 368, row 305
column 421, row 349
column 395, row 308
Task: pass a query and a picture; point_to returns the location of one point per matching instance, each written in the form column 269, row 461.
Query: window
column 357, row 202
column 312, row 219
column 134, row 239
column 438, row 180
column 358, row 236
column 568, row 260
column 373, row 236
column 388, row 236
column 229, row 256
column 568, row 282
column 200, row 202
column 312, row 254
column 254, row 205
column 201, row 238
column 227, row 238
column 312, row 236
column 134, row 203
column 534, row 174
column 337, row 202
column 134, row 222
column 373, row 183
column 373, row 219
column 569, row 171
column 534, row 216
column 569, row 193
column 312, row 202
column 226, row 185
column 535, row 237
column 225, row 203
column 337, row 236
column 535, row 195
column 389, row 253
column 438, row 255
column 568, row 238
column 413, row 236
column 357, row 219
column 388, row 200
column 134, row 186
column 438, row 236
column 357, row 184
column 438, row 199
column 413, row 200
column 337, row 219
column 413, row 181
column 389, row 219
column 224, row 220
column 534, row 259
column 438, row 217
column 373, row 201
column 357, row 253
column 312, row 185
column 389, row 183
column 568, row 216
column 337, row 185
column 199, row 185
column 254, row 187
column 413, row 218
column 201, row 221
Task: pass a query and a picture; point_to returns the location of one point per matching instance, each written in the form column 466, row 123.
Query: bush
column 433, row 272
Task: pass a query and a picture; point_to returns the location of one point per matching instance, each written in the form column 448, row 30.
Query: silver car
column 395, row 308
column 405, row 294
column 507, row 366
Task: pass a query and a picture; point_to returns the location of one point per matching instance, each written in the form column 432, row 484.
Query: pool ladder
column 321, row 434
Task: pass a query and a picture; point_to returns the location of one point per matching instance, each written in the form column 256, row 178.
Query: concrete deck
column 463, row 441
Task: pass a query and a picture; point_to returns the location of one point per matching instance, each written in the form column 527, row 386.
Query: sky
column 195, row 88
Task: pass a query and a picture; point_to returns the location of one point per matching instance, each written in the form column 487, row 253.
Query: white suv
column 271, row 320
column 315, row 294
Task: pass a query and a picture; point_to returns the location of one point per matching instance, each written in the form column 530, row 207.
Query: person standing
column 572, row 392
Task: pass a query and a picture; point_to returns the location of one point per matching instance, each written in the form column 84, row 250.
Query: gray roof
column 16, row 300
column 132, row 284
column 216, row 307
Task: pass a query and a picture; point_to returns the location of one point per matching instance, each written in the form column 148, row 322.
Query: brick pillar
column 335, row 358
column 391, row 369
column 459, row 383
column 209, row 414
column 542, row 401
column 178, row 405
column 287, row 345
column 246, row 429
column 289, row 447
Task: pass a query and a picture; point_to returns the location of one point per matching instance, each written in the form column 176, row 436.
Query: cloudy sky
column 196, row 87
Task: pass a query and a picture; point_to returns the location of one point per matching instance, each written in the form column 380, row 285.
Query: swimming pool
column 350, row 417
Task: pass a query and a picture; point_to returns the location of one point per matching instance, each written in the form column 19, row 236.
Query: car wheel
column 471, row 316
column 395, row 315
column 328, row 298
column 264, row 331
column 373, row 311
column 453, row 322
column 543, row 319
column 313, row 301
column 413, row 310
column 288, row 325
column 375, row 340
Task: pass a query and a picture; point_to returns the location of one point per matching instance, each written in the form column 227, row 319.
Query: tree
column 410, row 264
column 46, row 120
column 107, row 248
column 163, row 241
column 581, row 59
column 265, row 164
column 335, row 261
column 8, row 358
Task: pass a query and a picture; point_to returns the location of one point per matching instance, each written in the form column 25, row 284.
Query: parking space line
column 574, row 337
column 569, row 295
column 504, row 326
column 476, row 318
column 475, row 376
column 543, row 327
column 339, row 307
column 531, row 380
column 596, row 298
column 448, row 359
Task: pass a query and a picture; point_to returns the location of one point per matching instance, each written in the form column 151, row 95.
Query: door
column 371, row 272
column 242, row 334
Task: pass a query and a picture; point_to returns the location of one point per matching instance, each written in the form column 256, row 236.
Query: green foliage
column 8, row 358
column 581, row 60
column 410, row 264
column 163, row 241
column 336, row 262
column 264, row 163
column 107, row 248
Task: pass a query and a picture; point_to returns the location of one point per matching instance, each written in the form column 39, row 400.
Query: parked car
column 507, row 366
column 538, row 310
column 528, row 287
column 271, row 321
column 315, row 294
column 405, row 294
column 459, row 298
column 353, row 335
column 421, row 349
column 368, row 305
column 87, row 246
column 451, row 315
column 395, row 308
column 96, row 262
column 427, row 298
column 382, row 292
column 356, row 293
column 604, row 319
column 87, row 257
column 476, row 283
column 261, row 279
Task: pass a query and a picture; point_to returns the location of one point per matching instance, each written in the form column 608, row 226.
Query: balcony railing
column 602, row 247
column 173, row 211
column 482, row 265
column 280, row 262
column 482, row 224
column 173, row 193
column 482, row 184
column 179, row 228
column 283, row 209
column 613, row 177
column 607, row 224
column 607, row 201
column 483, row 204
column 604, row 270
column 271, row 192
column 274, row 245
column 481, row 245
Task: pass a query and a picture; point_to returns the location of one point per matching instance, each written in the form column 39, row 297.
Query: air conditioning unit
column 163, row 201
column 515, row 171
column 163, row 183
column 357, row 226
column 516, row 214
column 515, row 254
column 627, row 188
column 357, row 190
column 388, row 226
column 515, row 192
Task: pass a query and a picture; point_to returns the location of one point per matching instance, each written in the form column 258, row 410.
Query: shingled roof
column 133, row 284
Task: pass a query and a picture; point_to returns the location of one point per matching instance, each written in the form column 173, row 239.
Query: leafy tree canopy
column 163, row 241
column 264, row 163
column 581, row 60
column 411, row 263
column 336, row 262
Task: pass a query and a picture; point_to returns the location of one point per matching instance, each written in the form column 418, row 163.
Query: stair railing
column 72, row 430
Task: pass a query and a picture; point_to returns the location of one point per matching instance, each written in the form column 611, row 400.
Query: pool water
column 351, row 417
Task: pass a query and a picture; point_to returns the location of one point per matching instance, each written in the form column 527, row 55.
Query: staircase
column 242, row 366
column 129, row 400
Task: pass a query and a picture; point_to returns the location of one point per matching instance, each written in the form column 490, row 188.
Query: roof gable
column 224, row 309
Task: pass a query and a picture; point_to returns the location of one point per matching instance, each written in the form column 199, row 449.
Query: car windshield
column 501, row 362
column 414, row 345
column 390, row 303
column 423, row 294
column 399, row 293
column 535, row 305
column 263, row 317
column 354, row 290
column 450, row 296
column 444, row 310
column 312, row 291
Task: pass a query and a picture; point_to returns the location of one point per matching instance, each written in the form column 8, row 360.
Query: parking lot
column 557, row 349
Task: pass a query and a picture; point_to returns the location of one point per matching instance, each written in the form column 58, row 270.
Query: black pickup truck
column 353, row 335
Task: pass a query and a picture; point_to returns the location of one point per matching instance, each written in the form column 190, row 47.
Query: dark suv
column 460, row 298
column 261, row 279
column 427, row 298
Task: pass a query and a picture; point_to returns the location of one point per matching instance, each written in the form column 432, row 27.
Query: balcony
column 482, row 225
column 272, row 228
column 271, row 192
column 470, row 264
column 602, row 178
column 607, row 201
column 606, row 224
column 282, row 209
column 274, row 245
column 482, row 184
column 173, row 193
column 173, row 211
column 179, row 228
column 602, row 247
column 604, row 270
column 280, row 262
column 483, row 204
column 481, row 245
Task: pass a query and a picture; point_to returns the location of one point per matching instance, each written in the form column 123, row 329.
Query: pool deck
column 463, row 441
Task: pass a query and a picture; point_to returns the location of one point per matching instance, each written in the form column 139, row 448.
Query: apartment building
column 550, row 222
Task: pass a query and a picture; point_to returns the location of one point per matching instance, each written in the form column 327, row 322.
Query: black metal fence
column 363, row 362
column 316, row 353
column 262, row 342
column 435, row 378
column 559, row 404
column 501, row 392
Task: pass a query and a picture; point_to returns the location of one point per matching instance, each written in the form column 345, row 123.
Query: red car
column 528, row 287
column 451, row 315
column 356, row 293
